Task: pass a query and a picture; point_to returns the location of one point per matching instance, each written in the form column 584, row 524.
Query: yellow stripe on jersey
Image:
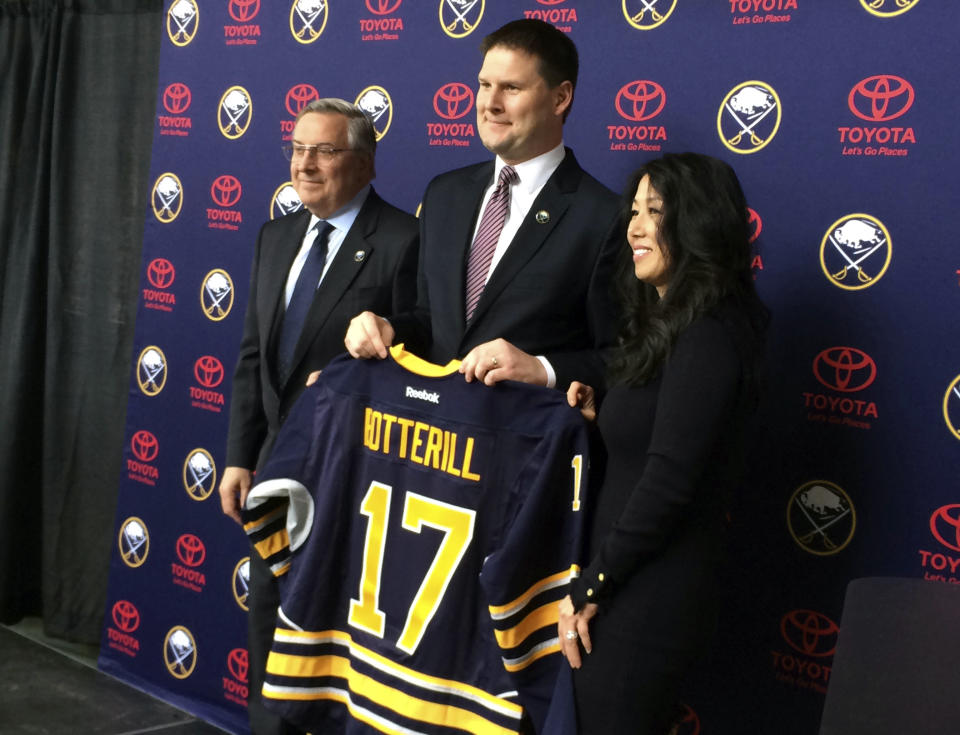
column 289, row 665
column 522, row 662
column 257, row 523
column 273, row 543
column 542, row 617
column 499, row 612
column 337, row 695
column 409, row 676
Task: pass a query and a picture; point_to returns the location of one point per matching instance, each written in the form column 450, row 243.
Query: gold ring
column 493, row 361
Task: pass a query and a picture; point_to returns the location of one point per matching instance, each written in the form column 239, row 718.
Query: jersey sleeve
column 529, row 574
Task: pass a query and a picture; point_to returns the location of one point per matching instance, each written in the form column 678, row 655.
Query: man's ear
column 563, row 97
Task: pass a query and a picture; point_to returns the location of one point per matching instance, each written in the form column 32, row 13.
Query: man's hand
column 499, row 360
column 234, row 488
column 368, row 336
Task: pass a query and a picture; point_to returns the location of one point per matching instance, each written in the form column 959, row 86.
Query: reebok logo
column 423, row 395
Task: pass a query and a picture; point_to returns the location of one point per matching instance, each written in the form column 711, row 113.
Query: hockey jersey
column 423, row 530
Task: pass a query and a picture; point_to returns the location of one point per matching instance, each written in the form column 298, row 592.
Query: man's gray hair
column 361, row 135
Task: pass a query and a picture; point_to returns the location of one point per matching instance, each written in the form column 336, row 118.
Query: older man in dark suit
column 347, row 250
column 515, row 254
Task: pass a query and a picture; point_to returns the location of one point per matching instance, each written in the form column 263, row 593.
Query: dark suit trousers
column 263, row 600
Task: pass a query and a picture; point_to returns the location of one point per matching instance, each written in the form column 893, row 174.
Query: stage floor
column 51, row 688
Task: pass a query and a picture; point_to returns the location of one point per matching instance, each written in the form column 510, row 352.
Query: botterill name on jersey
column 418, row 442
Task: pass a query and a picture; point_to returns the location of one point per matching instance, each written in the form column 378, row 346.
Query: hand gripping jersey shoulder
column 423, row 530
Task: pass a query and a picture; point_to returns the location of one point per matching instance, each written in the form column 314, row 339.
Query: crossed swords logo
column 235, row 117
column 748, row 129
column 242, row 586
column 179, row 655
column 308, row 20
column 199, row 477
column 151, row 373
column 461, row 16
column 819, row 529
column 167, row 201
column 877, row 4
column 216, row 300
column 135, row 541
column 182, row 32
column 647, row 5
column 855, row 264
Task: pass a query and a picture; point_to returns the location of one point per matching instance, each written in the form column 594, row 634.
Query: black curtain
column 77, row 106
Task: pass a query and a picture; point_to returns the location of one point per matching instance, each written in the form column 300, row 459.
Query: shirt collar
column 342, row 220
column 534, row 173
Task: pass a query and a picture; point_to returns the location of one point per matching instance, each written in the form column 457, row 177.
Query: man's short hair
column 361, row 135
column 558, row 57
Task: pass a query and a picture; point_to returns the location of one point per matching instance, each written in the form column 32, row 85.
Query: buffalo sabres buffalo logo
column 821, row 518
column 134, row 542
column 183, row 19
column 951, row 407
column 376, row 103
column 241, row 582
column 216, row 295
column 151, row 370
column 459, row 18
column 285, row 200
column 855, row 252
column 645, row 15
column 308, row 18
column 167, row 197
column 887, row 8
column 199, row 474
column 234, row 112
column 180, row 652
column 749, row 117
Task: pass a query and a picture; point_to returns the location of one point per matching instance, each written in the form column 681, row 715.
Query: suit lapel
column 273, row 278
column 554, row 199
column 351, row 257
column 458, row 229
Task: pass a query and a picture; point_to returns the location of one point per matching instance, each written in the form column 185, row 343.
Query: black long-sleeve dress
column 675, row 451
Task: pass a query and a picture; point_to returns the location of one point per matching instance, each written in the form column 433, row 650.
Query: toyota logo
column 640, row 100
column 844, row 369
column 881, row 98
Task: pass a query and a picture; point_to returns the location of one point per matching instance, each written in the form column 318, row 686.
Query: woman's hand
column 580, row 395
column 573, row 626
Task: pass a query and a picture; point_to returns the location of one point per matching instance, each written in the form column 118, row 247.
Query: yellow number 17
column 418, row 511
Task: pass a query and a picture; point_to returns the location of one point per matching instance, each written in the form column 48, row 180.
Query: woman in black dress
column 684, row 385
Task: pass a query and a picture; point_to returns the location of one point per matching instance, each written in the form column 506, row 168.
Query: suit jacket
column 375, row 269
column 549, row 295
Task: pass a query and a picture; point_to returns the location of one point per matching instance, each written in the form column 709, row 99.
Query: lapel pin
column 359, row 255
column 542, row 217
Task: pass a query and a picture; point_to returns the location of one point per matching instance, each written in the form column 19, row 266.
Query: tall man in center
column 516, row 254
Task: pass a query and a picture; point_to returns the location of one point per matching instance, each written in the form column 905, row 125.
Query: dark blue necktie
column 300, row 301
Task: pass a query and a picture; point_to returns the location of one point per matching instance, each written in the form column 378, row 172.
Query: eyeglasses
column 325, row 153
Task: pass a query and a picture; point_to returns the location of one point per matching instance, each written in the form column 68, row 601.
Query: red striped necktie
column 485, row 243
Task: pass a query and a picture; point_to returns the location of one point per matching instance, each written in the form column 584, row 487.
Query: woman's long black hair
column 704, row 229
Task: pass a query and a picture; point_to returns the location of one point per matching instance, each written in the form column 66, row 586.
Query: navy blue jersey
column 423, row 530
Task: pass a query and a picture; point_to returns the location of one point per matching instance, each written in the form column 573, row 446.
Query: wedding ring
column 571, row 635
column 493, row 361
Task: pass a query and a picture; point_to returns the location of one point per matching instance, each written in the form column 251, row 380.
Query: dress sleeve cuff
column 592, row 585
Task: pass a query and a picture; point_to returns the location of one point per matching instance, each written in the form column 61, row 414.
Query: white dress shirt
column 341, row 220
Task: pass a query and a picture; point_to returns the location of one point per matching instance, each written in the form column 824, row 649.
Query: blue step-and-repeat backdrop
column 840, row 118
